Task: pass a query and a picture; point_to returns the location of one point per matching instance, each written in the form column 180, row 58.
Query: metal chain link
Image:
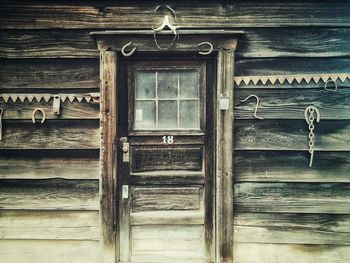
column 311, row 113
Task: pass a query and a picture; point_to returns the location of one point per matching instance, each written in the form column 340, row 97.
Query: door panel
column 166, row 193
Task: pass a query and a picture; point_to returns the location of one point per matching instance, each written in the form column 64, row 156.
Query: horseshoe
column 205, row 52
column 335, row 85
column 42, row 112
column 130, row 53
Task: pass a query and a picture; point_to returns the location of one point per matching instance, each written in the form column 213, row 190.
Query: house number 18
column 168, row 139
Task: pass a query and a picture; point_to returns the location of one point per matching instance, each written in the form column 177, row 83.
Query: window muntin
column 167, row 99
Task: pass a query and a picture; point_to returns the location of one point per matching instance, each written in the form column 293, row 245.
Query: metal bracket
column 56, row 104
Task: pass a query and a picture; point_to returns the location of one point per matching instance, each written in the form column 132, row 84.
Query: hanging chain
column 311, row 113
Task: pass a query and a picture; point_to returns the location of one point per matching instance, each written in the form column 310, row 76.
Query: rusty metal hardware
column 125, row 149
column 42, row 112
column 256, row 105
column 56, row 104
column 129, row 53
column 125, row 191
column 205, row 52
column 311, row 114
column 329, row 81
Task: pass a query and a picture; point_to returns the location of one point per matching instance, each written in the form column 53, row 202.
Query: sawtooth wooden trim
column 332, row 105
column 108, row 126
column 224, row 157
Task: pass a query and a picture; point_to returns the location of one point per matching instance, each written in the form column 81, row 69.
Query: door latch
column 125, row 149
column 125, row 191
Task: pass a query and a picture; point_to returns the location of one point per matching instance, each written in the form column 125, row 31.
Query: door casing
column 110, row 44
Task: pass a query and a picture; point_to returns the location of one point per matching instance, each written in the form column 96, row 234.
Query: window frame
column 167, row 64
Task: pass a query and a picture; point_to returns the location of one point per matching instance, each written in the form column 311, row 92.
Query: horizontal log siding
column 284, row 210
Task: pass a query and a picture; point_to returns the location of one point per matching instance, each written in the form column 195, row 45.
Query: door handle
column 125, row 149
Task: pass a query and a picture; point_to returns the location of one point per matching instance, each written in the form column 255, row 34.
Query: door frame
column 224, row 44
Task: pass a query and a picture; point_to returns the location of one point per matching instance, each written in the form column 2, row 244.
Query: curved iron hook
column 256, row 106
column 335, row 85
column 42, row 112
column 206, row 52
column 130, row 53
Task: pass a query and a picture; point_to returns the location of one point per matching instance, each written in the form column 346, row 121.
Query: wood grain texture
column 50, row 135
column 291, row 66
column 319, row 229
column 165, row 198
column 167, row 178
column 19, row 165
column 49, row 251
column 49, row 74
column 153, row 244
column 68, row 110
column 176, row 217
column 126, row 15
column 256, row 42
column 294, row 42
column 291, row 104
column 54, row 194
column 49, row 225
column 166, row 158
column 108, row 152
column 290, row 253
column 47, row 44
column 292, row 198
column 291, row 135
column 281, row 166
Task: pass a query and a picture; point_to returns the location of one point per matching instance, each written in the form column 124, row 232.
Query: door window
column 167, row 99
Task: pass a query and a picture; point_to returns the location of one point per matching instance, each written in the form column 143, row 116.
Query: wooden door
column 165, row 164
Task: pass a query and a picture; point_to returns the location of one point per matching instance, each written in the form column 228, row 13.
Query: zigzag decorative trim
column 291, row 78
column 94, row 97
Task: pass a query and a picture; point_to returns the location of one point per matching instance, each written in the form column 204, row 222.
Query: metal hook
column 335, row 85
column 206, row 52
column 311, row 110
column 42, row 112
column 256, row 106
column 130, row 53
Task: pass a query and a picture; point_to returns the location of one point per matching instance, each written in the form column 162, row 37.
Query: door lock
column 125, row 149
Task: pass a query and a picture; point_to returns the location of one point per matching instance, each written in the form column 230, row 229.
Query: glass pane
column 167, row 84
column 189, row 114
column 189, row 84
column 145, row 84
column 145, row 114
column 167, row 114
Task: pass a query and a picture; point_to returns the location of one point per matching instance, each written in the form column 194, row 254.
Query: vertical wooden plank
column 224, row 157
column 108, row 71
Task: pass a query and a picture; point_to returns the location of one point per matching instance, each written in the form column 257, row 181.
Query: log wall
column 284, row 210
